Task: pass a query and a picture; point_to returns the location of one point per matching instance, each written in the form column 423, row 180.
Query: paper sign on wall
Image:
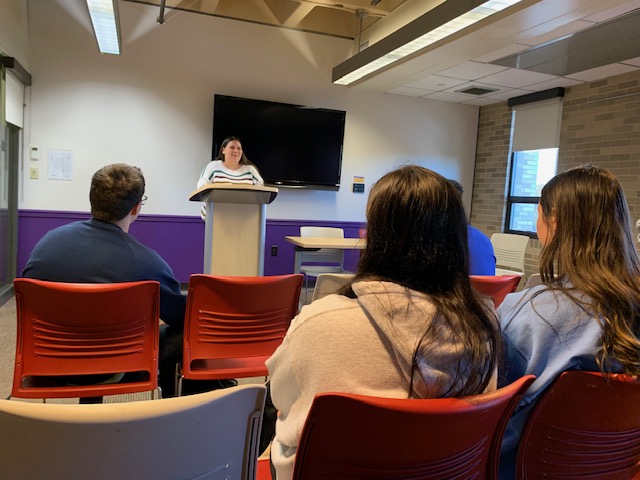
column 60, row 165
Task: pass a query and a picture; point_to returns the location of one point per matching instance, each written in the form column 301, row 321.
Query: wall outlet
column 33, row 173
column 274, row 250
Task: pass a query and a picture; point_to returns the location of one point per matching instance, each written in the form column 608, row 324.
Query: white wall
column 152, row 107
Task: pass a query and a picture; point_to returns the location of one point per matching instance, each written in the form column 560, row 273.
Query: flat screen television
column 292, row 145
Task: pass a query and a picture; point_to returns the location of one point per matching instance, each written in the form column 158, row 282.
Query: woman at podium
column 230, row 166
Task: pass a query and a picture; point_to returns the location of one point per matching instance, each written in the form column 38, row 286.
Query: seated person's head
column 115, row 190
column 584, row 221
column 417, row 231
column 458, row 186
column 417, row 238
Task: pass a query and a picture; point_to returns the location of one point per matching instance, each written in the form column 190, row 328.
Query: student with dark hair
column 482, row 260
column 101, row 250
column 408, row 326
column 585, row 315
column 230, row 166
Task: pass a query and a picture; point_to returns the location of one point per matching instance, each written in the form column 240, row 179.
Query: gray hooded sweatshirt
column 363, row 346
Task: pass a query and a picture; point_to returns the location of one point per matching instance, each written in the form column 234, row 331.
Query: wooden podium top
column 234, row 193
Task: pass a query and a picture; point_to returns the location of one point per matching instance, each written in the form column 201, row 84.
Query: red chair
column 78, row 330
column 495, row 287
column 583, row 426
column 352, row 436
column 233, row 324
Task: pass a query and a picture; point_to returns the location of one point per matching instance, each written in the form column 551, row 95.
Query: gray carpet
column 7, row 345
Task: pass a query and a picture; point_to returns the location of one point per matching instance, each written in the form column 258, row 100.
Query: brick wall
column 600, row 125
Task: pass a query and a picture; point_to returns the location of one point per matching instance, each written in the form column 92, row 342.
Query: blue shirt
column 481, row 256
column 94, row 251
column 545, row 333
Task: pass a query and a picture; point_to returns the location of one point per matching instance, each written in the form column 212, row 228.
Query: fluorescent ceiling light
column 106, row 24
column 442, row 21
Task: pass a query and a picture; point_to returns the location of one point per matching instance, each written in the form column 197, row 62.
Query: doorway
column 9, row 161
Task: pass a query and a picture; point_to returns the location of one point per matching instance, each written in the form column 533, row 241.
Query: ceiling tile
column 409, row 92
column 503, row 52
column 464, row 86
column 517, row 78
column 449, row 97
column 614, row 12
column 436, row 83
column 599, row 73
column 558, row 82
column 561, row 31
column 507, row 94
column 482, row 101
column 471, row 70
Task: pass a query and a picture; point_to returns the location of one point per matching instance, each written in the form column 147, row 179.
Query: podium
column 235, row 227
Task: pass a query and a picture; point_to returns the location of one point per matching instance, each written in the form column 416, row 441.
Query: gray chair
column 208, row 436
column 509, row 250
column 328, row 283
column 313, row 262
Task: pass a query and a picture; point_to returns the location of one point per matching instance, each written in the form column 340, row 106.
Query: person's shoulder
column 67, row 229
column 539, row 302
column 324, row 311
column 213, row 165
column 539, row 292
column 141, row 248
column 477, row 234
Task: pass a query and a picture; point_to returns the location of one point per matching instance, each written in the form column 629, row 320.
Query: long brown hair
column 592, row 248
column 417, row 238
column 243, row 160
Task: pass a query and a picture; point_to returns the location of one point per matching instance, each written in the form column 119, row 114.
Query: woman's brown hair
column 417, row 238
column 591, row 252
column 243, row 160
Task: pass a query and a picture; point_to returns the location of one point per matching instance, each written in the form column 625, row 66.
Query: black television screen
column 292, row 145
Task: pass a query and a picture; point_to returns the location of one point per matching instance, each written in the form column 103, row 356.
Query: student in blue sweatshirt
column 585, row 315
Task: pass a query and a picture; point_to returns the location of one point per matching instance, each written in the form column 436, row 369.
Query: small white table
column 322, row 242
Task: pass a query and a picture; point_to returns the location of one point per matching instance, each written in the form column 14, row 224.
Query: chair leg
column 178, row 384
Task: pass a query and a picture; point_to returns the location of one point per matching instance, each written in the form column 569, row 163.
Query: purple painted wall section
column 283, row 263
column 33, row 224
column 179, row 239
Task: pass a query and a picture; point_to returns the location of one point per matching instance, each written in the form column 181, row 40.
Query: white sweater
column 217, row 172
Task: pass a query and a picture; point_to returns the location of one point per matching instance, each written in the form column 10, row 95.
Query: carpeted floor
column 7, row 345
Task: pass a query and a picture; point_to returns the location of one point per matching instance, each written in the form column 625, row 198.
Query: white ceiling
column 438, row 72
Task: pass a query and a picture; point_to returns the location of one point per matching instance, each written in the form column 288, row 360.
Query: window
column 530, row 171
column 535, row 129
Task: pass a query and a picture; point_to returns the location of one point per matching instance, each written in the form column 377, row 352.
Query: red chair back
column 584, row 426
column 495, row 287
column 352, row 436
column 233, row 324
column 69, row 329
